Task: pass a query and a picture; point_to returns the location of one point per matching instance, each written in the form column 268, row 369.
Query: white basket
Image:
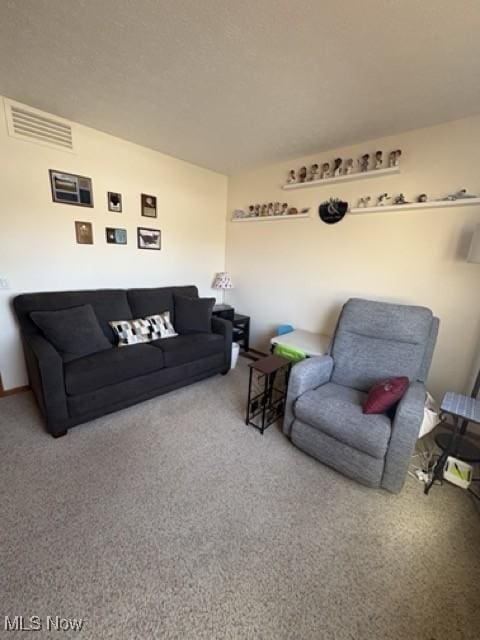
column 235, row 352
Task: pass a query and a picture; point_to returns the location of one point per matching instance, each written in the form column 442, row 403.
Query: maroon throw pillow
column 385, row 394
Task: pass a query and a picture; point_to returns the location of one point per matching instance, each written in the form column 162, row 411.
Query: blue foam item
column 283, row 329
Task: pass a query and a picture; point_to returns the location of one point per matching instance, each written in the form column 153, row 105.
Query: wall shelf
column 373, row 173
column 294, row 216
column 432, row 204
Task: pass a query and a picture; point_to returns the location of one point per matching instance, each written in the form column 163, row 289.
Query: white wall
column 301, row 271
column 38, row 251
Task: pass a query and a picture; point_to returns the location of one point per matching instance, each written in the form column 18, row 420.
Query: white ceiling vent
column 27, row 123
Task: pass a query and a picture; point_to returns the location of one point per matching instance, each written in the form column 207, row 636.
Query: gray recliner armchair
column 323, row 412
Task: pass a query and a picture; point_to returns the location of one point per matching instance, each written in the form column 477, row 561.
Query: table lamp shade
column 474, row 253
column 222, row 280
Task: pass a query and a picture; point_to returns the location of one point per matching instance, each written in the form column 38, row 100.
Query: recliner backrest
column 377, row 340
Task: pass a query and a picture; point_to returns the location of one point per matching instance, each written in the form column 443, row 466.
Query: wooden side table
column 267, row 405
column 241, row 330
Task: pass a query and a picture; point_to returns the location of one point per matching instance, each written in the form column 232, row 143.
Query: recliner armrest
column 305, row 375
column 224, row 328
column 45, row 369
column 405, row 429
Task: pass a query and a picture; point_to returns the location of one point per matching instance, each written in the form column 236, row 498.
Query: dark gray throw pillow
column 74, row 332
column 193, row 315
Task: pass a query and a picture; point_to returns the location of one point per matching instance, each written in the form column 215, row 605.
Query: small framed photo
column 84, row 232
column 114, row 201
column 69, row 188
column 116, row 236
column 149, row 206
column 149, row 238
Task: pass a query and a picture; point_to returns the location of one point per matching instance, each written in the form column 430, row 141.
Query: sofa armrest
column 405, row 429
column 225, row 329
column 45, row 371
column 305, row 375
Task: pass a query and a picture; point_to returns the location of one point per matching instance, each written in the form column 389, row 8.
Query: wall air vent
column 27, row 123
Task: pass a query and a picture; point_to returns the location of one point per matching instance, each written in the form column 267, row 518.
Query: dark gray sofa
column 69, row 393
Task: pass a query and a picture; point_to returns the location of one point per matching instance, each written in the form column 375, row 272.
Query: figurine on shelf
column 304, row 210
column 462, row 194
column 257, row 210
column 337, row 167
column 270, row 209
column 251, row 211
column 422, row 198
column 292, row 211
column 263, row 211
column 363, row 202
column 383, row 199
column 394, row 158
column 400, row 199
column 314, row 172
column 292, row 178
column 378, row 160
column 276, row 209
column 238, row 213
column 348, row 169
column 284, row 210
column 302, row 174
column 363, row 162
column 325, row 171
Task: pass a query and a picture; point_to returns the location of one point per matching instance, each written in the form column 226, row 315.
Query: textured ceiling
column 230, row 84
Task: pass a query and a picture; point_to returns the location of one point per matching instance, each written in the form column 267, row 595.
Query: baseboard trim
column 11, row 392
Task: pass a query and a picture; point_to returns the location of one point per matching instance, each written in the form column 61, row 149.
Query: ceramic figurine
column 363, row 202
column 348, row 167
column 251, row 211
column 292, row 211
column 257, row 210
column 378, row 160
column 292, row 178
column 325, row 170
column 400, row 199
column 238, row 213
column 270, row 209
column 383, row 199
column 263, row 212
column 337, row 167
column 304, row 210
column 284, row 210
column 314, row 172
column 363, row 162
column 276, row 209
column 422, row 198
column 394, row 158
column 302, row 174
column 462, row 194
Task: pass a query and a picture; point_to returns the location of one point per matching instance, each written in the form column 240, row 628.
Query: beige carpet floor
column 172, row 519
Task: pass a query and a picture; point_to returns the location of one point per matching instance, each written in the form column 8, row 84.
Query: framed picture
column 84, row 232
column 114, row 201
column 149, row 206
column 71, row 189
column 149, row 238
column 116, row 236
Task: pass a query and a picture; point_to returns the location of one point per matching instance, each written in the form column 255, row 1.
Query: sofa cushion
column 337, row 411
column 107, row 304
column 182, row 349
column 73, row 332
column 136, row 331
column 110, row 367
column 193, row 315
column 149, row 302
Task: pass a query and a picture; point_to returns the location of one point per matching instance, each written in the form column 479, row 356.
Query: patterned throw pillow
column 161, row 324
column 134, row 331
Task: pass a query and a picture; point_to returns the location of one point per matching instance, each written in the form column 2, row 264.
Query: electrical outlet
column 4, row 283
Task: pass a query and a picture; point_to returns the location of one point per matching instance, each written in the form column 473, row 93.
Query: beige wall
column 38, row 251
column 301, row 271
